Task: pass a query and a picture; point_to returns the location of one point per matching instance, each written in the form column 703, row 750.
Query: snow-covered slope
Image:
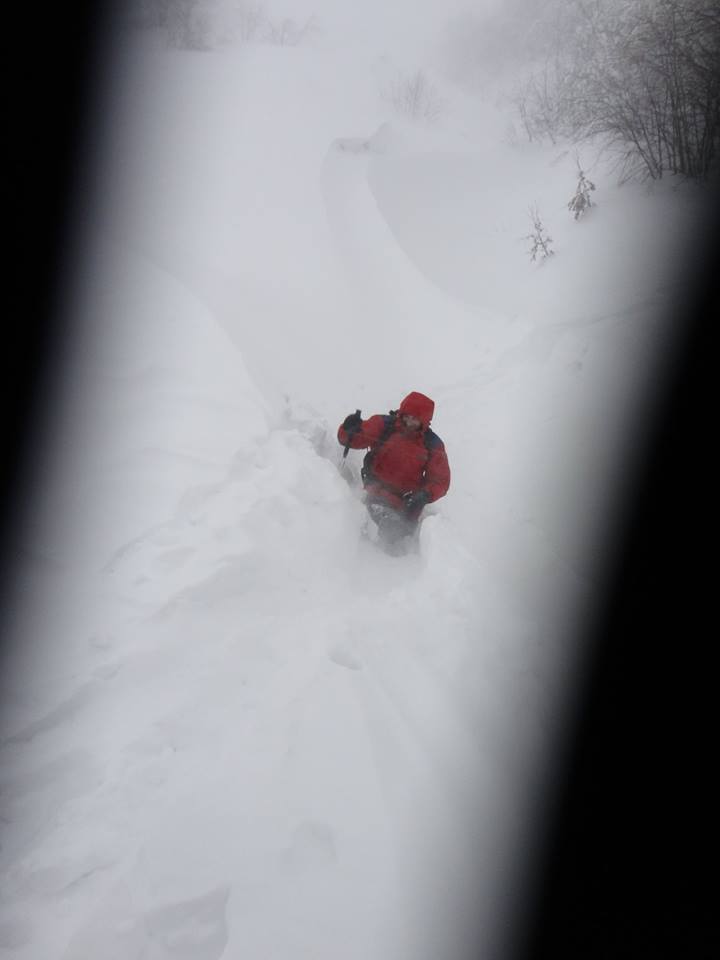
column 233, row 726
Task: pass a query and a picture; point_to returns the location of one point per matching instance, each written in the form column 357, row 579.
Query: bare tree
column 414, row 96
column 640, row 76
column 250, row 19
column 202, row 24
column 288, row 32
column 539, row 102
column 188, row 24
column 580, row 202
column 540, row 239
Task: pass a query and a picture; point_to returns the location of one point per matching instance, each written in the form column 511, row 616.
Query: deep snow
column 233, row 727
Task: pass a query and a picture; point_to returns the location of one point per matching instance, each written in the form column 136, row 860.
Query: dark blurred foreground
column 630, row 852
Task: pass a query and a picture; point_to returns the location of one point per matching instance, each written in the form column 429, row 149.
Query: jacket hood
column 420, row 406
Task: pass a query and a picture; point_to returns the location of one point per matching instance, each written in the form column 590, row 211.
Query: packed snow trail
column 250, row 743
column 259, row 714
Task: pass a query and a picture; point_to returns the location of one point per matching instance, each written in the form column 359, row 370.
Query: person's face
column 411, row 423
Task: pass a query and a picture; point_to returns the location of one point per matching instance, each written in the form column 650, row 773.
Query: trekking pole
column 351, row 434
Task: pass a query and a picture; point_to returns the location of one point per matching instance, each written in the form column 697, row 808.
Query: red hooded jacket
column 406, row 460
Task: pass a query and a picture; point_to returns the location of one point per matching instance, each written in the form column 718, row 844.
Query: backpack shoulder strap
column 432, row 441
column 388, row 427
column 389, row 420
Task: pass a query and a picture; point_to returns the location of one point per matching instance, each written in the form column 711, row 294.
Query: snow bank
column 156, row 399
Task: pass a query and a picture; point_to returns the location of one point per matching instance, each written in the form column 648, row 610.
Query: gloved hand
column 352, row 423
column 414, row 501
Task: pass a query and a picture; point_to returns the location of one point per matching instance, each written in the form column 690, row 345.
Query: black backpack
column 432, row 442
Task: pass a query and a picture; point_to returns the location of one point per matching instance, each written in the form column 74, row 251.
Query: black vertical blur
column 630, row 856
column 54, row 56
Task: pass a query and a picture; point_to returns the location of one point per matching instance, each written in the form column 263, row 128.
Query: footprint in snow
column 14, row 934
column 173, row 558
column 193, row 929
column 343, row 657
column 312, row 845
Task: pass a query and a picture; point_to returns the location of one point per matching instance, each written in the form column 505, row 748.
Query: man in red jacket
column 406, row 466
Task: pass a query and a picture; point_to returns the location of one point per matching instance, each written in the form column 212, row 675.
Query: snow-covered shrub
column 540, row 239
column 415, row 97
column 580, row 202
column 642, row 78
